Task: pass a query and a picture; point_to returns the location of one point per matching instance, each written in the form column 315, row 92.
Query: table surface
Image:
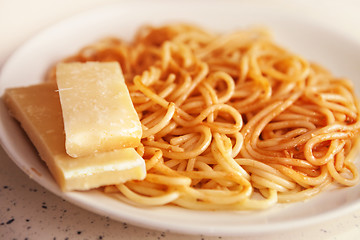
column 28, row 211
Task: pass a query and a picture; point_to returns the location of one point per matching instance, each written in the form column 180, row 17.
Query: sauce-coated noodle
column 231, row 121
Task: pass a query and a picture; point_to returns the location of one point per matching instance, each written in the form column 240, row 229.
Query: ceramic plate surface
column 315, row 42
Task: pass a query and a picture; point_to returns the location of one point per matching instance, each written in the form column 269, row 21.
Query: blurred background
column 21, row 19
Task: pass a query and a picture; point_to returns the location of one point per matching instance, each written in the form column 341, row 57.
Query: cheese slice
column 38, row 110
column 97, row 109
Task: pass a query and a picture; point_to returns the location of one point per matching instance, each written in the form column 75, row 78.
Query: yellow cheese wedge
column 38, row 110
column 97, row 109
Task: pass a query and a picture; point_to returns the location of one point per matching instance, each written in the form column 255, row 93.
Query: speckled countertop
column 28, row 211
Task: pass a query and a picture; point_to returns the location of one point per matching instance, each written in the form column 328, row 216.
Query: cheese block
column 97, row 109
column 38, row 110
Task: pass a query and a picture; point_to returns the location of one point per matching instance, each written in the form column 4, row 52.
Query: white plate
column 29, row 64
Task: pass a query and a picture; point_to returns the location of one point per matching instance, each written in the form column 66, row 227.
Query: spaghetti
column 231, row 121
